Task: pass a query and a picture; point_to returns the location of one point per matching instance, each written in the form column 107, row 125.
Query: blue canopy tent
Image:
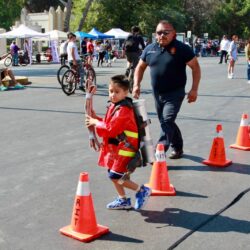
column 82, row 35
column 99, row 35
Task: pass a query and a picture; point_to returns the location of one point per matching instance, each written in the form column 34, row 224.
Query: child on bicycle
column 116, row 153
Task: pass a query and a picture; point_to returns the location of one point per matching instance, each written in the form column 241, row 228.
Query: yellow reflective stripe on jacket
column 131, row 134
column 126, row 153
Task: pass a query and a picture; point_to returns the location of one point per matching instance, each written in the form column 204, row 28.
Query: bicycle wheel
column 7, row 61
column 26, row 61
column 61, row 72
column 69, row 82
column 91, row 75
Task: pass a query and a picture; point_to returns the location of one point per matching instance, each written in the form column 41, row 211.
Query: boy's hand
column 89, row 121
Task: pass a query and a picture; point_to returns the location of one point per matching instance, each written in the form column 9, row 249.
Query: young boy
column 120, row 143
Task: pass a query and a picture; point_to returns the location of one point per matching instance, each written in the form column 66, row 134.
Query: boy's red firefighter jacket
column 120, row 118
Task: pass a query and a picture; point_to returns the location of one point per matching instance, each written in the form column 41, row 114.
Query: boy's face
column 116, row 93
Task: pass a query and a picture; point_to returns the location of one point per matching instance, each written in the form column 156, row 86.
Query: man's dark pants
column 167, row 106
column 223, row 54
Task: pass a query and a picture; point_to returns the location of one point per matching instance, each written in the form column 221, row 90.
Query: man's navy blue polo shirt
column 167, row 65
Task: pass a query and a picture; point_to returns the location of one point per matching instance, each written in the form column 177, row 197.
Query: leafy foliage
column 10, row 11
column 216, row 17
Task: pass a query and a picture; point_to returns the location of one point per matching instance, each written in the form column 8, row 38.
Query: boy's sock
column 138, row 189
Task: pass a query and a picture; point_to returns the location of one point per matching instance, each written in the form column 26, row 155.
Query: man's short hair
column 135, row 29
column 166, row 22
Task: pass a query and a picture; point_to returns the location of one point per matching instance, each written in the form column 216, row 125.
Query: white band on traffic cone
column 220, row 134
column 244, row 122
column 83, row 189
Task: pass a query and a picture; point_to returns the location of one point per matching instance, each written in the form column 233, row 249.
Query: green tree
column 232, row 17
column 10, row 11
column 105, row 14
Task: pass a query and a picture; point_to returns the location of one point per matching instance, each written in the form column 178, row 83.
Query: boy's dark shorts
column 114, row 175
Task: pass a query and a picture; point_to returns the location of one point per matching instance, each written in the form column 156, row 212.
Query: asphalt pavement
column 44, row 147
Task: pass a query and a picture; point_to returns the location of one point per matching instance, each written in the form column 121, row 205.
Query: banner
column 54, row 51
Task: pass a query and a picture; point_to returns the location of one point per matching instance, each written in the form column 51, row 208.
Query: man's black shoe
column 176, row 154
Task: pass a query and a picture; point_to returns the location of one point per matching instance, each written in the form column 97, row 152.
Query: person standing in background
column 14, row 52
column 224, row 46
column 233, row 53
column 90, row 50
column 84, row 46
column 63, row 52
column 247, row 53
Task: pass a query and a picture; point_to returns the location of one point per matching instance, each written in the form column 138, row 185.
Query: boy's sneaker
column 3, row 88
column 18, row 86
column 141, row 197
column 120, row 203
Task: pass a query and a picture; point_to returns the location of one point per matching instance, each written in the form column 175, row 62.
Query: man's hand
column 89, row 121
column 192, row 96
column 136, row 92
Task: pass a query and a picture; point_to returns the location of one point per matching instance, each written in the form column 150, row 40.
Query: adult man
column 14, row 52
column 224, row 46
column 131, row 47
column 8, row 72
column 63, row 52
column 74, row 58
column 167, row 59
column 84, row 46
column 90, row 50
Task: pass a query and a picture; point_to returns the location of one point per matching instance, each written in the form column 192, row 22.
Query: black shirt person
column 133, row 46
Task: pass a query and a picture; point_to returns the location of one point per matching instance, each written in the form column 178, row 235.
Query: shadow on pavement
column 121, row 238
column 234, row 168
column 186, row 194
column 175, row 217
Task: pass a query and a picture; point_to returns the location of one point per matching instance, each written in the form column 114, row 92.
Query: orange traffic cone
column 159, row 181
column 217, row 155
column 83, row 222
column 243, row 136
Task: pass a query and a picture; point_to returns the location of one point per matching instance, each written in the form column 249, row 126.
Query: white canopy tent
column 56, row 35
column 117, row 33
column 22, row 32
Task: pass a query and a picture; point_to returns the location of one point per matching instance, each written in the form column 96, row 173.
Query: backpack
column 131, row 44
column 140, row 159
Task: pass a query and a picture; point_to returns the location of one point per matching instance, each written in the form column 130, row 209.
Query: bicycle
column 23, row 59
column 7, row 59
column 130, row 75
column 61, row 72
column 71, row 78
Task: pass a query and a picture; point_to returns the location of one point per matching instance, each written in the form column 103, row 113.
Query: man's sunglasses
column 163, row 32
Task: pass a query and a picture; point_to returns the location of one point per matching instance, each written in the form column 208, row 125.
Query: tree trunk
column 68, row 15
column 84, row 14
